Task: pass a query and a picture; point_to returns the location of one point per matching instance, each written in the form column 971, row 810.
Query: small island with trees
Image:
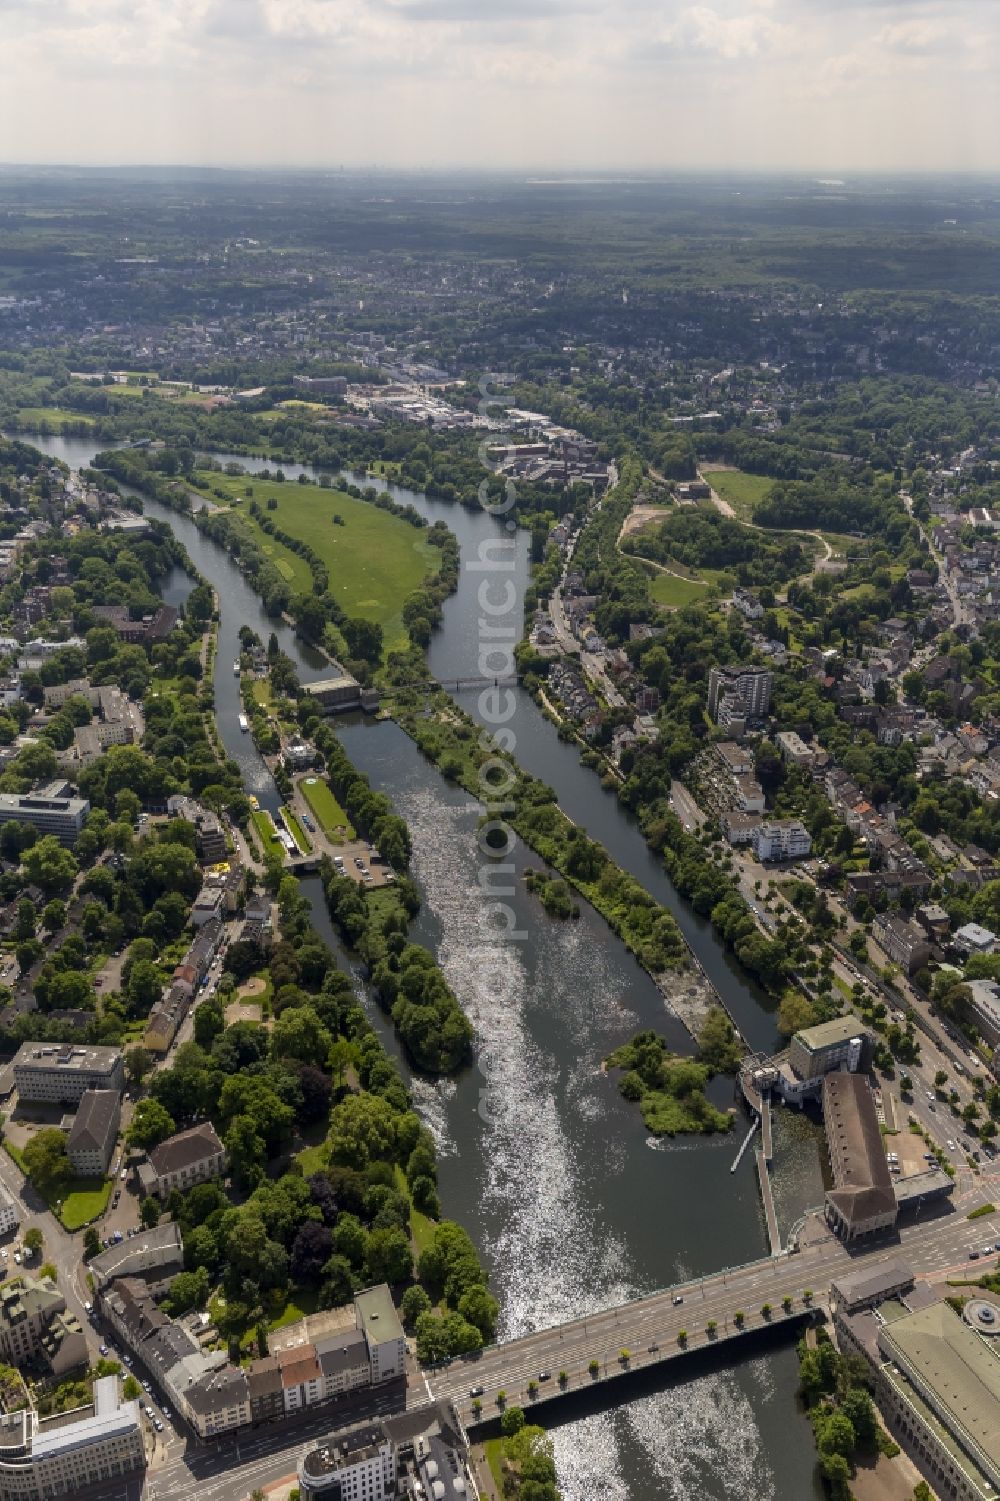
column 669, row 1088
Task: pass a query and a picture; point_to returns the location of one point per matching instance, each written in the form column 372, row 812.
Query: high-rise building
column 749, row 687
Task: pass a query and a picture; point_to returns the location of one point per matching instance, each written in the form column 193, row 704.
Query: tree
column 138, row 1063
column 415, row 1302
column 209, row 1022
column 54, row 915
column 299, row 1033
column 145, row 986
column 149, row 1212
column 151, row 1123
column 91, row 1242
column 131, row 1390
column 311, row 1250
column 388, row 1256
column 34, row 1240
column 46, row 1162
column 188, row 1290
column 857, row 1405
column 48, row 865
column 246, row 1149
column 512, row 1421
column 24, row 927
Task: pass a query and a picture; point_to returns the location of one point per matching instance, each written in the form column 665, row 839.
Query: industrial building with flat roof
column 840, row 1043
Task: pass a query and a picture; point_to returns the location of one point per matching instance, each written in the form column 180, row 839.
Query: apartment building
column 794, row 749
column 9, row 1215
column 904, row 942
column 91, row 1142
column 63, row 1072
column 35, row 1326
column 781, row 839
column 749, row 686
column 42, row 1459
column 302, row 1382
column 378, row 1320
column 356, row 1465
column 420, row 1453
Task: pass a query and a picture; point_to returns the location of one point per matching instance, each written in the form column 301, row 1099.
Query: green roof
column 379, row 1318
column 959, row 1371
column 829, row 1034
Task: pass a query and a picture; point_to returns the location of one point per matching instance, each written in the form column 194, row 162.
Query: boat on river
column 236, row 668
column 244, row 723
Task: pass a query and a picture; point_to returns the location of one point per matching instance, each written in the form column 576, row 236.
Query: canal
column 551, row 1172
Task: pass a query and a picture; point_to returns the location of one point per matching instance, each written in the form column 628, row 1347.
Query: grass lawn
column 493, row 1448
column 673, row 592
column 261, row 690
column 264, row 824
column 296, row 830
column 312, row 1159
column 295, row 1309
column 375, row 560
column 86, row 1200
column 55, row 416
column 328, row 813
column 743, row 491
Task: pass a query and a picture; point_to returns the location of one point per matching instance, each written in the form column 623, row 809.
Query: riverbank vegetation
column 318, row 1220
column 668, row 1088
column 837, row 1391
column 521, row 1461
column 406, row 980
column 450, row 739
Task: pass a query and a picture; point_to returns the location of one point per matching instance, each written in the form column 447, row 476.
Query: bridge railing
column 692, row 1285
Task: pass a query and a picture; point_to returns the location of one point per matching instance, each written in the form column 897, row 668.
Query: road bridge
column 589, row 1354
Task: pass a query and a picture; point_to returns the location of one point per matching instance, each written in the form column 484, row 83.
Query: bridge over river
column 668, row 1329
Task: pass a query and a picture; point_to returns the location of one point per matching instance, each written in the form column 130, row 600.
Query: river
column 550, row 1171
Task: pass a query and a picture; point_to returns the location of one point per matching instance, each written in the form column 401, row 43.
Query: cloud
column 575, row 82
column 702, row 29
column 912, row 36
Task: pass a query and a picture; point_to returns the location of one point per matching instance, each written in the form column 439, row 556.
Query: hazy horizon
column 538, row 86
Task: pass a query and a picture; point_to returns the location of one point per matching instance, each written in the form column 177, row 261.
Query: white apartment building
column 378, row 1320
column 781, row 839
column 359, row 1465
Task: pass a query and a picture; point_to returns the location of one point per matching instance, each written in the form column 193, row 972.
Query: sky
column 534, row 85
